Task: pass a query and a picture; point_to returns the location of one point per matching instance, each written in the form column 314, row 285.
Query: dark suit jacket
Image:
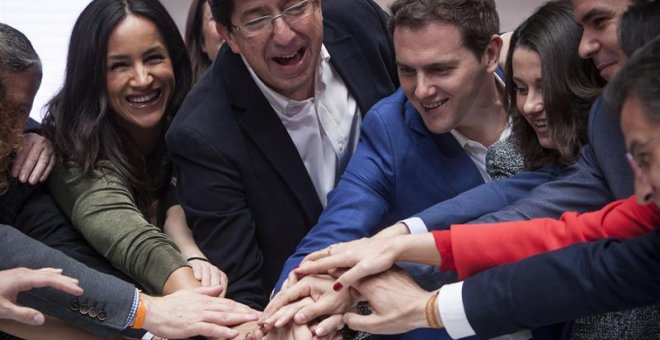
column 581, row 280
column 246, row 192
column 110, row 297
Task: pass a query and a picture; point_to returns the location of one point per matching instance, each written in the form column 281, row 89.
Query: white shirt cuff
column 415, row 225
column 452, row 312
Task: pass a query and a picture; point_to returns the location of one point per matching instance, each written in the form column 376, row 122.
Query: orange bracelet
column 140, row 315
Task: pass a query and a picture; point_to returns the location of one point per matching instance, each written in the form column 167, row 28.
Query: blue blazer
column 399, row 167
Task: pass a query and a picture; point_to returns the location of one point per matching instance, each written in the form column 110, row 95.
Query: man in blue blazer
column 268, row 130
column 427, row 142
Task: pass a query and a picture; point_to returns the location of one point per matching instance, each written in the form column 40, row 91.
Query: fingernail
column 38, row 319
column 320, row 331
column 338, row 286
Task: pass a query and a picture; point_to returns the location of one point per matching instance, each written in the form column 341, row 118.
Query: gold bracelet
column 431, row 315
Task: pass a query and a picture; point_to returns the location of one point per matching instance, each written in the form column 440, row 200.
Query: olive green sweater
column 102, row 208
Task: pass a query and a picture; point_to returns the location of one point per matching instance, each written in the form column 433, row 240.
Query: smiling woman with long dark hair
column 127, row 74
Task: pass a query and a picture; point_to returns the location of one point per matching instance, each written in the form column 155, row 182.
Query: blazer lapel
column 349, row 62
column 444, row 154
column 260, row 122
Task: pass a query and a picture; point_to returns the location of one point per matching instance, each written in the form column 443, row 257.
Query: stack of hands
column 320, row 297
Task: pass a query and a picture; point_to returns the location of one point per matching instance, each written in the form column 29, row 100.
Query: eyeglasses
column 291, row 15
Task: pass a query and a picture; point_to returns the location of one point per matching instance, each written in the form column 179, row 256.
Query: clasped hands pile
column 320, row 296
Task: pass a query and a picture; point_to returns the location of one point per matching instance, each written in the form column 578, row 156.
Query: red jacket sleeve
column 476, row 247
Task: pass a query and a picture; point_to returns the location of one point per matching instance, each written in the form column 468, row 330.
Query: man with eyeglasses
column 266, row 133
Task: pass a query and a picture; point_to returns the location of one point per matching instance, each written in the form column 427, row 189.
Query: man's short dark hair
column 640, row 78
column 16, row 53
column 477, row 20
column 222, row 10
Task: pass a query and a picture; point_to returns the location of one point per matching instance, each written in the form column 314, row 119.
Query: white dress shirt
column 325, row 128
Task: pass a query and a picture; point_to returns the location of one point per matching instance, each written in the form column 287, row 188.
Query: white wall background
column 48, row 23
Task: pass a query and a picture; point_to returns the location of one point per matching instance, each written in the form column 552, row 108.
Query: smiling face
column 527, row 76
column 600, row 21
column 285, row 58
column 140, row 77
column 642, row 138
column 440, row 76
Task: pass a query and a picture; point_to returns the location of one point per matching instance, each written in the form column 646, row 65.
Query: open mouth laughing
column 290, row 59
column 144, row 100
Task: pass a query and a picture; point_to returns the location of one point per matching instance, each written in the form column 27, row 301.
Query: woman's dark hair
column 194, row 39
column 570, row 84
column 80, row 121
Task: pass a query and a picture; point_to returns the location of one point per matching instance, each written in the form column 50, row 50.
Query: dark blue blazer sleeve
column 581, row 280
column 487, row 198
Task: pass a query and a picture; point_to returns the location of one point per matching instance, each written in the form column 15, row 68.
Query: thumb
column 25, row 315
column 214, row 291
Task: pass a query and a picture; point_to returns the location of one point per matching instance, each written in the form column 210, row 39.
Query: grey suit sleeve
column 102, row 310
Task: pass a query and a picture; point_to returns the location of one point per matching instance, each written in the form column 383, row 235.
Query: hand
column 397, row 229
column 198, row 311
column 208, row 274
column 249, row 331
column 34, row 160
column 397, row 304
column 310, row 298
column 14, row 281
column 362, row 258
column 293, row 332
